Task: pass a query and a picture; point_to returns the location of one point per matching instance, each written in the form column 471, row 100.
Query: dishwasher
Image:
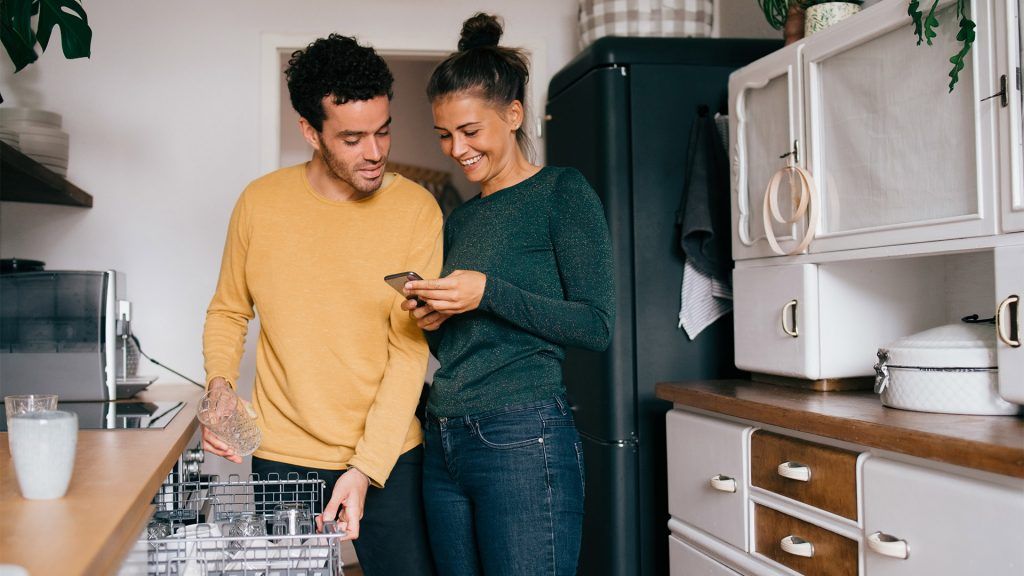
column 241, row 526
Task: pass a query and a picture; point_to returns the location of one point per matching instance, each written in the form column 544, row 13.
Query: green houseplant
column 926, row 23
column 25, row 23
column 778, row 12
column 788, row 15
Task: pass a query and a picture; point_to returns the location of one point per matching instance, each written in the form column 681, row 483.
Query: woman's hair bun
column 481, row 30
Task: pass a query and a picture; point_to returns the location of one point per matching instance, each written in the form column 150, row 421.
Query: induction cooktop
column 122, row 415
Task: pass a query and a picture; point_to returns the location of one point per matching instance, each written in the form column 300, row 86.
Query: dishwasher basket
column 191, row 531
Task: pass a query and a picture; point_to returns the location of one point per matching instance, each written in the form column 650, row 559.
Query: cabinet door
column 765, row 119
column 685, row 560
column 707, row 475
column 1011, row 122
column 775, row 313
column 1009, row 262
column 949, row 524
column 896, row 156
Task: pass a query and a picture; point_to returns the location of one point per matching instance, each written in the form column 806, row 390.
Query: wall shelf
column 22, row 179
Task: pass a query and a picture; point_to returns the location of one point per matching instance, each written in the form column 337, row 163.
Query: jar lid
column 959, row 345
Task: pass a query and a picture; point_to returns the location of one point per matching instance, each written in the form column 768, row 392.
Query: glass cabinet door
column 1011, row 124
column 765, row 119
column 896, row 156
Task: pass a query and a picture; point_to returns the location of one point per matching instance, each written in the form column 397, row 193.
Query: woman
column 527, row 271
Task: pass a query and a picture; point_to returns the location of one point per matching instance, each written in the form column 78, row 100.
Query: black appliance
column 621, row 113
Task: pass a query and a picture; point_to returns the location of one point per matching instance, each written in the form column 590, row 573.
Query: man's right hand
column 213, row 444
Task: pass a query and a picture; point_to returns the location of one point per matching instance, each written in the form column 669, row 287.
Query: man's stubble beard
column 339, row 171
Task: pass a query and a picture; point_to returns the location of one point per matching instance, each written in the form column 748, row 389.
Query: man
column 339, row 365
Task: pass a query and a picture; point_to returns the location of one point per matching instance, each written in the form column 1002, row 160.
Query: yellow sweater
column 339, row 366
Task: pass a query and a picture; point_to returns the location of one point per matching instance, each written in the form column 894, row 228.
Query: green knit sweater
column 545, row 248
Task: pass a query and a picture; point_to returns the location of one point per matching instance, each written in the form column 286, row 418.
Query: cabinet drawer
column 685, row 560
column 707, row 481
column 949, row 524
column 830, row 553
column 831, row 473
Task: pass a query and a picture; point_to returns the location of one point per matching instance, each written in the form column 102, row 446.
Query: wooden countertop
column 117, row 472
column 990, row 443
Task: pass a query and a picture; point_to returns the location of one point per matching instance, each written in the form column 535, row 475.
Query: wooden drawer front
column 833, row 554
column 685, row 560
column 699, row 449
column 832, row 485
column 947, row 523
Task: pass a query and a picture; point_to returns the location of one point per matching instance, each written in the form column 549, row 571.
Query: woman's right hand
column 425, row 316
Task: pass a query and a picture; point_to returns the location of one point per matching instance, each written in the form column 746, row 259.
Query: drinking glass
column 43, row 447
column 292, row 519
column 22, row 403
column 225, row 414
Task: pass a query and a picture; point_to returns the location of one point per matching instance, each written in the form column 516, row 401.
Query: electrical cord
column 164, row 366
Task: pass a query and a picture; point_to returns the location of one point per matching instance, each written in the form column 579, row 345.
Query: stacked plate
column 38, row 135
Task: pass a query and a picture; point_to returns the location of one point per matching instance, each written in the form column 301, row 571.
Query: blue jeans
column 503, row 491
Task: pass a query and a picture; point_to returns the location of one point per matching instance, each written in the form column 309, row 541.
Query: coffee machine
column 67, row 332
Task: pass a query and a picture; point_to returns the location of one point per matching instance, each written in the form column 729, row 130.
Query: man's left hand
column 350, row 495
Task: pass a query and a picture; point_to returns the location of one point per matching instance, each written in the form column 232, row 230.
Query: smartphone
column 397, row 281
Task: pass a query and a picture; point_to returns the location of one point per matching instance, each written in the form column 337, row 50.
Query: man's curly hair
column 335, row 66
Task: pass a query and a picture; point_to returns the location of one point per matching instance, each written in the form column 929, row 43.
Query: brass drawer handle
column 795, row 471
column 886, row 545
column 797, row 546
column 790, row 306
column 723, row 483
column 1012, row 321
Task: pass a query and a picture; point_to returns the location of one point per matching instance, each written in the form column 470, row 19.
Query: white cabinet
column 765, row 103
column 898, row 159
column 776, row 316
column 1011, row 121
column 1009, row 284
column 896, row 156
column 827, row 321
column 707, row 474
column 879, row 516
column 921, row 521
column 685, row 560
column 904, row 169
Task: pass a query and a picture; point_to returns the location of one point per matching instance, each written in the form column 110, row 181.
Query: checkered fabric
column 598, row 18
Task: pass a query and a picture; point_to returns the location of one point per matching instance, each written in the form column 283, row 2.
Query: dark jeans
column 504, row 491
column 392, row 534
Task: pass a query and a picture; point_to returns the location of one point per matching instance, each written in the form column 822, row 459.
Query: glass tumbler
column 226, row 415
column 292, row 519
column 22, row 403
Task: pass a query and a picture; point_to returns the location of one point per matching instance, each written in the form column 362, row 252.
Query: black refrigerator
column 621, row 113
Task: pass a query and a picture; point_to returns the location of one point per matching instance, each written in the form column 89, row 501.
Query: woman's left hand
column 459, row 292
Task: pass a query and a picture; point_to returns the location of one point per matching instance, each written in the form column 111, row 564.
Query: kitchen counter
column 989, row 443
column 93, row 527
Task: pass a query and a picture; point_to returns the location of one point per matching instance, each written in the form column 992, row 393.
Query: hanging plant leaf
column 16, row 33
column 966, row 37
column 931, row 23
column 914, row 11
column 75, row 34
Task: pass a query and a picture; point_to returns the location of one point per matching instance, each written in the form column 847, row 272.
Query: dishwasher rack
column 196, row 514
